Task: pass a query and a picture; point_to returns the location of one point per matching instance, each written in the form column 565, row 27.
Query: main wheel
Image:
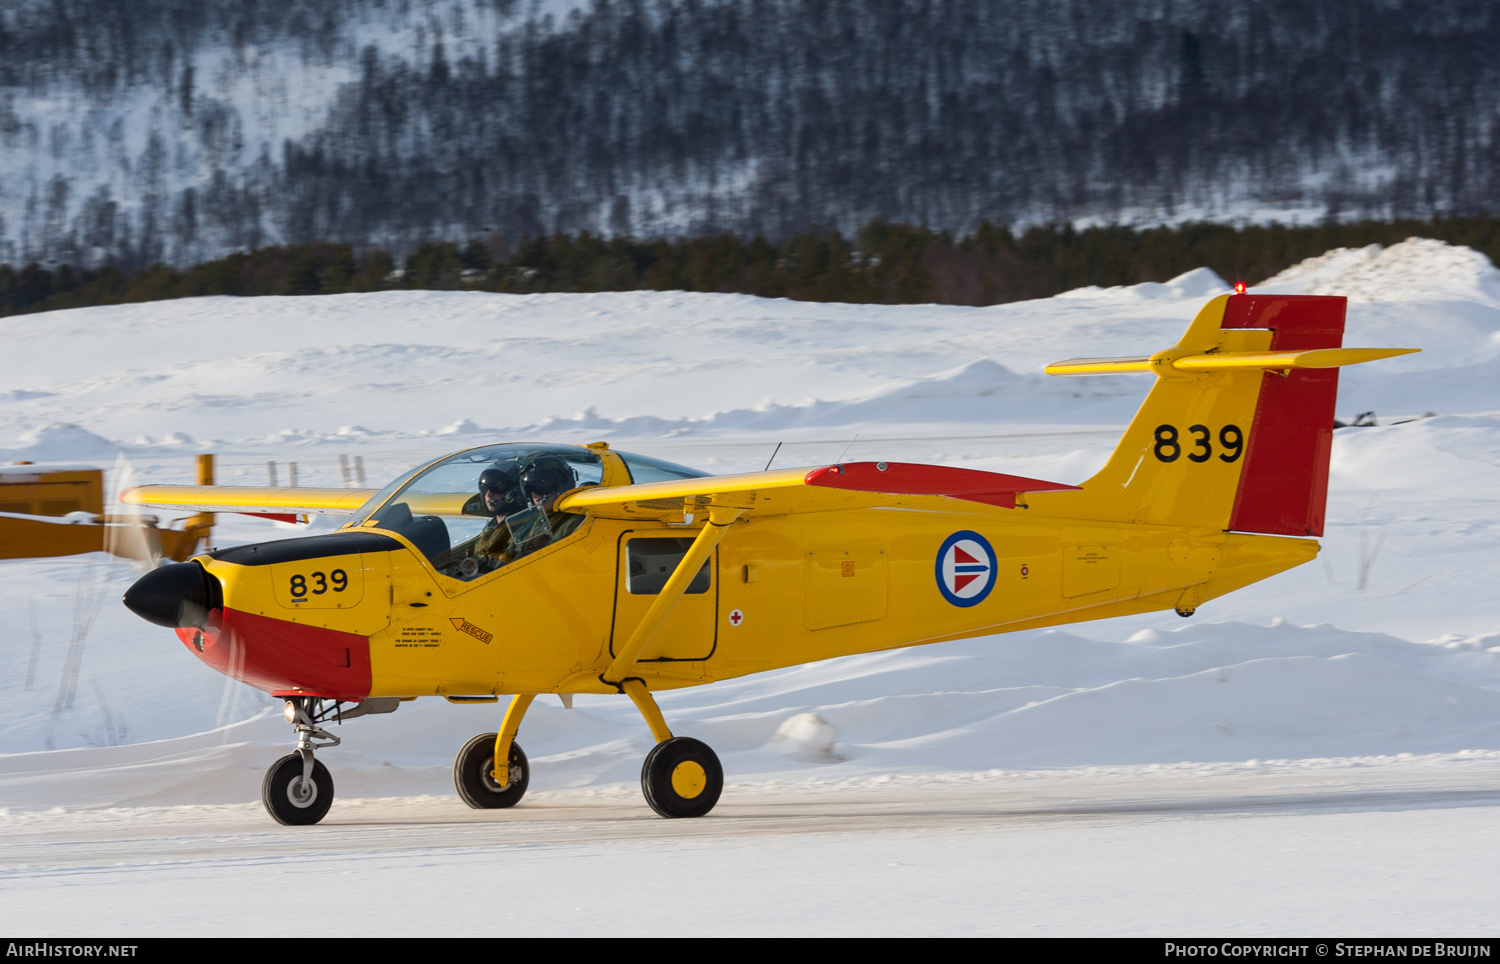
column 474, row 778
column 289, row 800
column 682, row 778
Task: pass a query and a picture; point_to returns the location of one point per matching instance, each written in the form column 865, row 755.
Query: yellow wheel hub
column 688, row 779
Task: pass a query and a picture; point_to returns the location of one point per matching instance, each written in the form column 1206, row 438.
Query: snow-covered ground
column 1340, row 718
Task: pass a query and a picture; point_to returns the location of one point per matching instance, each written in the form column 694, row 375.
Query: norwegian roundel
column 965, row 568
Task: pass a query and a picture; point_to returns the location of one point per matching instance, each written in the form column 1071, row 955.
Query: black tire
column 475, row 782
column 682, row 778
column 279, row 792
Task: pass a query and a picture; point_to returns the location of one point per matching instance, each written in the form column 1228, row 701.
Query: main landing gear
column 298, row 790
column 475, row 778
column 681, row 777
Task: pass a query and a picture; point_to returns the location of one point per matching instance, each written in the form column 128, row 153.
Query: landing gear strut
column 681, row 777
column 480, row 783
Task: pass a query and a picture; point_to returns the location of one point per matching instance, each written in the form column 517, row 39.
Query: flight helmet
column 496, row 479
column 548, row 476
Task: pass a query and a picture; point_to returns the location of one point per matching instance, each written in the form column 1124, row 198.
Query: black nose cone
column 174, row 596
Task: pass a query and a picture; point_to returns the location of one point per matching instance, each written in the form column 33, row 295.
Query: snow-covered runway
column 1388, row 847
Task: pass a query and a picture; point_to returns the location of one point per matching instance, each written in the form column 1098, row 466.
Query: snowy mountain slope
column 156, row 131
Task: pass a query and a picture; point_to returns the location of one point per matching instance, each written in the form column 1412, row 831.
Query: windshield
column 473, row 512
column 378, row 499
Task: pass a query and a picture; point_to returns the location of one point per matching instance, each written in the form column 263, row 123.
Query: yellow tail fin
column 1236, row 433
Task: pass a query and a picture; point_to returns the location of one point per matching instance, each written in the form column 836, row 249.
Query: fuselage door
column 646, row 562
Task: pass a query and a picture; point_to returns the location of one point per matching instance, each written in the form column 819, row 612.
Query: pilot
column 502, row 497
column 542, row 482
column 545, row 479
column 497, row 488
column 509, row 535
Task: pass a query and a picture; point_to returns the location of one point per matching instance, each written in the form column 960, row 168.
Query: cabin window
column 652, row 562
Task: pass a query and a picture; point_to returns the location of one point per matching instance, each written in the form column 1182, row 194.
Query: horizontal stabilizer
column 1227, row 361
column 1100, row 366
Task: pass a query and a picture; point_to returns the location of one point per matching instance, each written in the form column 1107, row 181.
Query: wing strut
column 618, row 673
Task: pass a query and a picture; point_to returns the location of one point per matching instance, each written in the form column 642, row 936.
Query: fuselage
column 363, row 612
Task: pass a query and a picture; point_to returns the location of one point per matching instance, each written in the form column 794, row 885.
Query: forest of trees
column 882, row 263
column 162, row 131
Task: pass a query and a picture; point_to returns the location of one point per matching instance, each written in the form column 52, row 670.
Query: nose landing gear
column 298, row 790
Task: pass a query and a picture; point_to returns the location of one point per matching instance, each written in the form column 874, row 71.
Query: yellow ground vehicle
column 58, row 510
column 520, row 569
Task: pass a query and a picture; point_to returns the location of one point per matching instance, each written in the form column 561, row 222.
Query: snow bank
column 1202, row 283
column 58, row 442
column 1417, row 269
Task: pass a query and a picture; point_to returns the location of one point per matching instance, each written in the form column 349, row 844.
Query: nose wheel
column 292, row 799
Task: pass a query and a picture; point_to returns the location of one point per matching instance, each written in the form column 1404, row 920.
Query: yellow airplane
column 525, row 569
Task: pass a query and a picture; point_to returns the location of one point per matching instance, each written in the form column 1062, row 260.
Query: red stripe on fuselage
column 1284, row 484
column 285, row 658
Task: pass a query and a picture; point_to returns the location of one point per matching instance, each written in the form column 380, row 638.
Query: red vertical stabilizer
column 1284, row 486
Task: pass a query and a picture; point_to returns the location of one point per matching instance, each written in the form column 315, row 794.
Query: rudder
column 1283, row 488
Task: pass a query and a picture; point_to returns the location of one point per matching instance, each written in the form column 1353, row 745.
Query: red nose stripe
column 286, row 658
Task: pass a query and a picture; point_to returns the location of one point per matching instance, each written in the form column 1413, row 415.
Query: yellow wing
column 779, row 492
column 808, row 489
column 249, row 499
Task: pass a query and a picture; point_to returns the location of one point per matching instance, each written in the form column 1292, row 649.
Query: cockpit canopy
column 475, row 511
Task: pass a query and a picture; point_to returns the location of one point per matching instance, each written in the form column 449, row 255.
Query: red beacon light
column 1239, row 287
